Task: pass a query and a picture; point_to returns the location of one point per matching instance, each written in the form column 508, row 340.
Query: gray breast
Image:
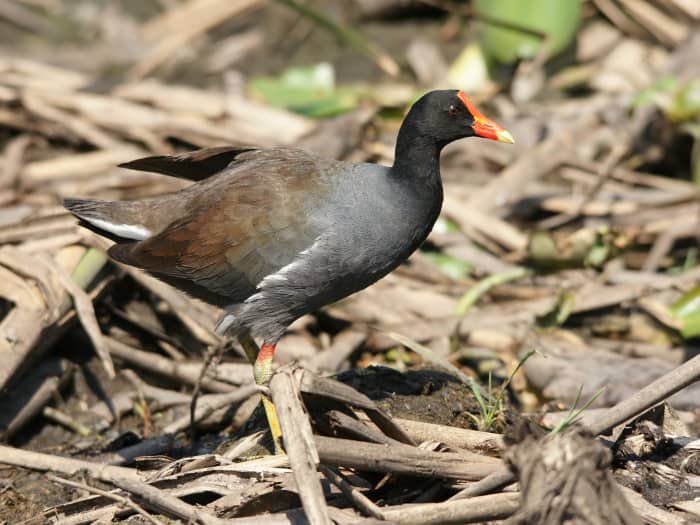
column 367, row 226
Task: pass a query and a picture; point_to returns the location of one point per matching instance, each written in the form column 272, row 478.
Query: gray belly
column 366, row 241
column 364, row 233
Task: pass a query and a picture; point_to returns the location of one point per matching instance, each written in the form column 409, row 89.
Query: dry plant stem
column 41, row 314
column 494, row 481
column 90, row 264
column 664, row 243
column 115, row 497
column 358, row 499
column 290, row 517
column 13, row 155
column 163, row 366
column 647, row 397
column 479, row 509
column 74, row 125
column 193, row 315
column 213, row 356
column 404, row 459
column 532, row 165
column 331, row 359
column 178, row 26
column 618, row 17
column 86, row 312
column 64, row 419
column 66, row 466
column 161, row 501
column 147, row 447
column 331, row 389
column 123, row 401
column 357, row 430
column 648, row 512
column 209, row 404
column 348, row 36
column 604, row 172
column 300, row 447
column 452, row 436
column 160, row 443
column 38, row 400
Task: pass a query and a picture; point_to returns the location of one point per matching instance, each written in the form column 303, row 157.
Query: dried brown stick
column 163, row 366
column 494, row 481
column 64, row 419
column 128, row 502
column 212, row 356
column 332, row 358
column 664, row 243
column 210, row 403
column 181, row 24
column 39, row 399
column 83, row 128
column 161, row 501
column 86, row 314
column 649, row 513
column 353, row 428
column 478, row 509
column 531, row 165
column 12, row 160
column 403, row 459
column 123, row 400
column 662, row 388
column 158, row 444
column 198, row 317
column 647, row 397
column 300, row 446
column 604, row 172
column 147, row 447
column 331, row 389
column 358, row 499
column 66, row 466
column 452, row 436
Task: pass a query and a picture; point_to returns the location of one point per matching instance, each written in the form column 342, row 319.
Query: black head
column 449, row 115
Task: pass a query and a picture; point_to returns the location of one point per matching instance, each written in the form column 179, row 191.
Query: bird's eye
column 452, row 110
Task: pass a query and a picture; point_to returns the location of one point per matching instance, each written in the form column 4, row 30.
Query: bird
column 271, row 234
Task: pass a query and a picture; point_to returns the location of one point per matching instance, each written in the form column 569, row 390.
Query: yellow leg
column 261, row 359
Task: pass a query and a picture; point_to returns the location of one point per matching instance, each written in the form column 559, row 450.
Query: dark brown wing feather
column 193, row 165
column 242, row 225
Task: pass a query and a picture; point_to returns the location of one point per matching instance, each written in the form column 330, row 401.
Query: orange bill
column 484, row 126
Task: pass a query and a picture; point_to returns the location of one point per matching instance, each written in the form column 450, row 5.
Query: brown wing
column 242, row 225
column 193, row 165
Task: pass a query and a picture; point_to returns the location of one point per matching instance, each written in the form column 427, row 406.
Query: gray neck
column 416, row 169
column 416, row 156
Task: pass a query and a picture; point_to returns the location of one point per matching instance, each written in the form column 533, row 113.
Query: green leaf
column 515, row 29
column 307, row 90
column 685, row 105
column 472, row 295
column 427, row 354
column 559, row 313
column 451, row 266
column 443, row 224
column 655, row 92
column 687, row 311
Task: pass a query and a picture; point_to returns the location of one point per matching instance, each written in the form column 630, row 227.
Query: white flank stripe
column 128, row 231
column 280, row 276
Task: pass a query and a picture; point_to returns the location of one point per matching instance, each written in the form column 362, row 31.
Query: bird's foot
column 262, row 373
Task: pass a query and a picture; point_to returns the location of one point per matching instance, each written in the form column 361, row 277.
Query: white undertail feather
column 136, row 232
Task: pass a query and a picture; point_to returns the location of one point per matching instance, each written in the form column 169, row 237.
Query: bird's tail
column 115, row 220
